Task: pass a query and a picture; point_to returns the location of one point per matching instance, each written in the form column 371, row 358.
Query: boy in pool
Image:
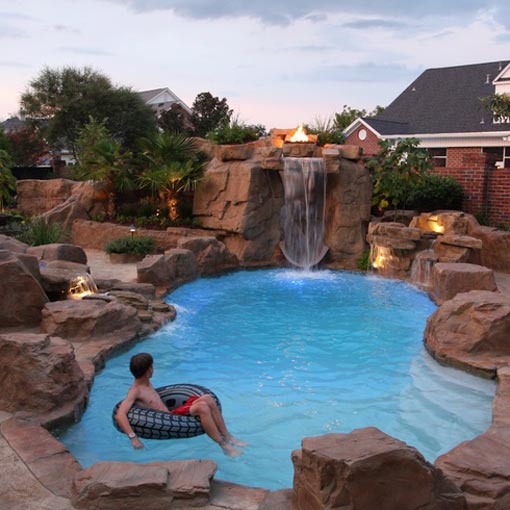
column 142, row 393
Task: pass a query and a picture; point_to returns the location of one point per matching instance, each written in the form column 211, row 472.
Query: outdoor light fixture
column 132, row 229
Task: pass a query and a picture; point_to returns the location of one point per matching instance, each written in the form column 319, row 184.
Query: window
column 438, row 157
column 498, row 156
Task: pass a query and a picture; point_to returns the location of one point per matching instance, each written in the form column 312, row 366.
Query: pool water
column 292, row 355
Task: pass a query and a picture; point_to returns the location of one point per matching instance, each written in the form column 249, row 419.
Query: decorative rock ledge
column 471, row 331
column 450, row 279
column 367, row 470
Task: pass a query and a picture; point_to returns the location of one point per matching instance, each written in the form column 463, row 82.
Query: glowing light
column 81, row 286
column 299, row 135
column 380, row 257
column 434, row 225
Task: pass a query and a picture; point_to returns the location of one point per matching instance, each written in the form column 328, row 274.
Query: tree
column 349, row 115
column 172, row 166
column 7, row 180
column 396, row 169
column 61, row 101
column 27, row 146
column 498, row 105
column 209, row 112
column 176, row 120
column 101, row 158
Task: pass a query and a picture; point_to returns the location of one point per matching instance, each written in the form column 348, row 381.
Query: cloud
column 367, row 72
column 86, row 51
column 7, row 31
column 64, row 28
column 12, row 63
column 283, row 12
column 374, row 23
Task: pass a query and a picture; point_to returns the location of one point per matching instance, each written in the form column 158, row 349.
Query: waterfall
column 302, row 216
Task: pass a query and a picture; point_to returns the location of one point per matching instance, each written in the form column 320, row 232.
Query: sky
column 278, row 62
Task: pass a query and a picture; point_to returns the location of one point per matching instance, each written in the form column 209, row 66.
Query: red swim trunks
column 184, row 409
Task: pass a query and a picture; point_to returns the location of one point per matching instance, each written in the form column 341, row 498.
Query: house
column 443, row 109
column 162, row 99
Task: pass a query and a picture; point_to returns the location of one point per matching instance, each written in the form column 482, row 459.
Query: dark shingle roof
column 444, row 100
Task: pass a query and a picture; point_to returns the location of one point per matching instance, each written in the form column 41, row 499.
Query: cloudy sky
column 278, row 62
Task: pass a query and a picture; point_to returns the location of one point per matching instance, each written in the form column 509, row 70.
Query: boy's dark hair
column 140, row 363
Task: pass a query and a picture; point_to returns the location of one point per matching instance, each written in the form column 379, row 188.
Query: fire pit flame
column 299, row 135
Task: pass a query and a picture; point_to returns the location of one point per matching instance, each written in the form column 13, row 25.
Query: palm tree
column 173, row 166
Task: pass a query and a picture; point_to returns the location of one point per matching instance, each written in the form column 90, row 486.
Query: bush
column 363, row 262
column 40, row 232
column 132, row 245
column 235, row 132
column 435, row 192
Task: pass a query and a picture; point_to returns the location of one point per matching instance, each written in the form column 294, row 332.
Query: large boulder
column 182, row 264
column 85, row 320
column 39, row 374
column 59, row 251
column 367, row 470
column 131, row 486
column 35, row 197
column 57, row 275
column 348, row 198
column 471, row 330
column 450, row 279
column 23, row 298
column 12, row 244
column 154, row 269
column 212, row 256
column 245, row 200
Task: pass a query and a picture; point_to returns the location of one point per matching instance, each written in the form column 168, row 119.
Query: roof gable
column 162, row 97
column 445, row 100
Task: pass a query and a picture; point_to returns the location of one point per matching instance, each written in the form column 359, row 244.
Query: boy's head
column 140, row 363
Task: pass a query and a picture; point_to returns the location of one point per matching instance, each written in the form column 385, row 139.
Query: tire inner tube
column 153, row 424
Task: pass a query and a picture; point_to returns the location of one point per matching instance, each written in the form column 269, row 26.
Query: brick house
column 443, row 109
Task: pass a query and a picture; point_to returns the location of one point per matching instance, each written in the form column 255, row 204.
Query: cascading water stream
column 302, row 216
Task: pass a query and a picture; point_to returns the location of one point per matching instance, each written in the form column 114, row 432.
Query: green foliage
column 172, row 163
column 209, row 112
column 435, row 192
column 498, row 105
column 348, row 115
column 176, row 120
column 39, row 232
column 61, row 101
column 7, row 180
column 396, row 170
column 235, row 132
column 363, row 262
column 131, row 244
column 101, row 158
column 326, row 131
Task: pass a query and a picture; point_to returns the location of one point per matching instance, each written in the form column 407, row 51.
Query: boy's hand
column 136, row 443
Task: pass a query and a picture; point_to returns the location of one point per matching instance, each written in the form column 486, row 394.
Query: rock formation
column 367, row 470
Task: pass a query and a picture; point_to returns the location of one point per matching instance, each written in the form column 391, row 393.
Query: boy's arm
column 122, row 420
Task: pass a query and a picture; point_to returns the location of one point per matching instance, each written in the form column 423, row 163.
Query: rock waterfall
column 302, row 215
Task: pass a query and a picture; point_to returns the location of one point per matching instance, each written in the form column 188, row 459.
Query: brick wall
column 369, row 145
column 485, row 190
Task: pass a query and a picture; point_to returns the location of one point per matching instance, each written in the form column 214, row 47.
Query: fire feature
column 299, row 135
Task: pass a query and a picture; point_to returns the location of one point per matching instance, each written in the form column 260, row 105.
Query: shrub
column 133, row 245
column 435, row 192
column 363, row 262
column 235, row 132
column 40, row 232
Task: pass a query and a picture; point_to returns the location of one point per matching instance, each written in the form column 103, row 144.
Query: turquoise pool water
column 291, row 355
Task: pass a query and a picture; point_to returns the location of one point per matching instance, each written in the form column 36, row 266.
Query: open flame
column 299, row 135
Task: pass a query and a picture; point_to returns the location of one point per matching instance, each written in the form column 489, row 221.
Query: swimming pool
column 291, row 355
